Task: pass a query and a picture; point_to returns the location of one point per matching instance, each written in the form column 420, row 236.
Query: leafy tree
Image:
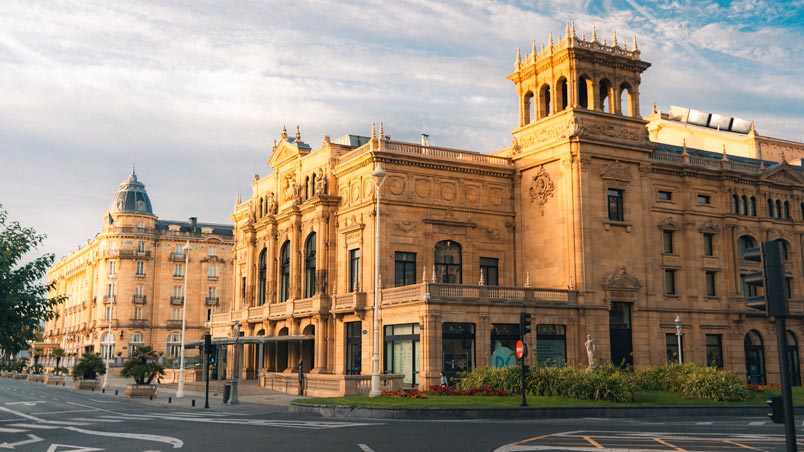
column 142, row 366
column 89, row 367
column 24, row 297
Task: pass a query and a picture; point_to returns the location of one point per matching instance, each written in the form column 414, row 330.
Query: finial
column 433, row 280
column 635, row 43
column 533, row 47
column 424, row 274
column 326, row 139
column 724, row 154
column 298, row 134
column 615, row 39
column 284, row 133
column 566, row 30
column 274, row 143
column 684, row 144
column 551, row 38
column 594, row 34
column 133, row 171
column 572, row 29
column 604, row 41
column 518, row 57
column 784, row 160
column 482, row 282
column 237, row 199
column 654, row 108
column 373, row 132
column 527, row 279
column 382, row 133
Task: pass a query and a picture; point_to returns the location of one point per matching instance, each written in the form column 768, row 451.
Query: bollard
column 115, row 392
column 103, row 391
column 63, row 384
column 170, row 399
column 93, row 388
column 150, row 397
column 193, row 404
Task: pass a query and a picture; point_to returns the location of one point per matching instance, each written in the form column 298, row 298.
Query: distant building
column 124, row 287
column 594, row 220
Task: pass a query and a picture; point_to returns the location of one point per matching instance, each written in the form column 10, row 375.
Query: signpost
column 520, row 349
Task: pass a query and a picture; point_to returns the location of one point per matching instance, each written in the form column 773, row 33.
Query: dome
column 131, row 198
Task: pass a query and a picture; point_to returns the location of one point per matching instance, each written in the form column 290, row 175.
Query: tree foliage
column 142, row 366
column 25, row 299
column 89, row 367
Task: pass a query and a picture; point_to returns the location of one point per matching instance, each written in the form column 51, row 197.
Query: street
column 35, row 417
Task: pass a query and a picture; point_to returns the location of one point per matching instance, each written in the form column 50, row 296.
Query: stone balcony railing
column 140, row 299
column 176, row 300
column 212, row 301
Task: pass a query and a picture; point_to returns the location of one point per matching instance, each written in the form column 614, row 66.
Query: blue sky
column 195, row 92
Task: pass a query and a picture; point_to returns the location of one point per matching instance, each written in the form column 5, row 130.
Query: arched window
column 605, row 96
column 284, row 271
column 735, row 204
column 544, row 101
column 262, row 206
column 448, row 262
column 262, row 278
column 173, row 344
column 107, row 345
column 562, row 86
column 752, row 206
column 778, row 209
column 785, row 250
column 743, row 206
column 770, row 207
column 743, row 243
column 586, row 92
column 626, row 100
column 792, row 359
column 307, row 187
column 527, row 108
column 309, row 266
column 786, row 210
column 754, row 358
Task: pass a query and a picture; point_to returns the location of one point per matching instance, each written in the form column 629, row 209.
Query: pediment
column 669, row 224
column 622, row 280
column 709, row 227
column 616, row 171
column 287, row 150
column 783, row 174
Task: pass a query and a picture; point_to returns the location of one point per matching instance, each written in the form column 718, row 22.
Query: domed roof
column 131, row 198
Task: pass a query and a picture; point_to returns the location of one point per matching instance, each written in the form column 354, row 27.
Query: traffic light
column 524, row 324
column 212, row 354
column 777, row 410
column 770, row 276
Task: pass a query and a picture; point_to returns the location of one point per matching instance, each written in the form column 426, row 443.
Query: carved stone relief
column 471, row 193
column 495, row 196
column 541, row 189
column 616, row 171
column 396, row 185
column 422, row 187
column 448, row 191
column 406, row 226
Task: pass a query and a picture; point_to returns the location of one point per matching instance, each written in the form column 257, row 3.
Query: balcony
column 140, row 299
column 139, row 275
column 176, row 300
column 174, row 323
column 212, row 301
column 176, row 257
column 178, row 276
column 212, row 277
column 139, row 323
column 108, row 299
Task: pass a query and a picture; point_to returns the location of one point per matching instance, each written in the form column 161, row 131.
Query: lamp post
column 236, row 364
column 180, row 389
column 379, row 177
column 678, row 323
column 109, row 337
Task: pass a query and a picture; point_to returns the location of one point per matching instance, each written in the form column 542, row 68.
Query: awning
column 250, row 340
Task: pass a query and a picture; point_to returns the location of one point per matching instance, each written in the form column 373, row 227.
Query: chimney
column 425, row 139
column 193, row 223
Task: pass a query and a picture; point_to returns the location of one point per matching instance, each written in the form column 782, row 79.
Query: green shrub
column 89, row 367
column 693, row 381
column 504, row 379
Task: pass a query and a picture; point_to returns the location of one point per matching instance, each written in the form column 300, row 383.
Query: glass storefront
column 551, row 345
column 403, row 352
column 458, row 342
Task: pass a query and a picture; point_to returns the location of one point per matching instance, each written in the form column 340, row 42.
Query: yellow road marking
column 741, row 445
column 592, row 442
column 519, row 443
column 661, row 441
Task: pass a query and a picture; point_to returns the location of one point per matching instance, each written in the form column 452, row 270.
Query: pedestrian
column 444, row 381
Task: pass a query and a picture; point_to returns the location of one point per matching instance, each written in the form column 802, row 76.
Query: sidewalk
column 252, row 398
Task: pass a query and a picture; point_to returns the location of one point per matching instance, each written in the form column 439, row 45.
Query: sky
column 193, row 93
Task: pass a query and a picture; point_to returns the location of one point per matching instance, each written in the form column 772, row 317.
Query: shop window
column 671, row 348
column 551, row 345
column 503, row 344
column 714, row 350
column 403, row 351
column 458, row 346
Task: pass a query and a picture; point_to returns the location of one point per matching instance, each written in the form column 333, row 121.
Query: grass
column 646, row 398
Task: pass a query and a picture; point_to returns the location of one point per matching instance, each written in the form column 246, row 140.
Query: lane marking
column 27, row 403
column 744, row 446
column 94, row 419
column 61, row 412
column 175, row 442
column 11, row 430
column 661, row 441
column 592, row 442
column 55, row 448
column 32, row 439
column 758, row 423
column 704, row 423
column 36, row 426
column 365, row 448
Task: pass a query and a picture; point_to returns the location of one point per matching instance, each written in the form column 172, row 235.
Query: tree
column 89, row 367
column 24, row 296
column 142, row 366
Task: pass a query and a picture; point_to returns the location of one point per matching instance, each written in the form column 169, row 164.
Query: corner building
column 584, row 222
column 125, row 286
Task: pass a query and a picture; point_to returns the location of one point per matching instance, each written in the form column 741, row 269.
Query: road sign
column 520, row 349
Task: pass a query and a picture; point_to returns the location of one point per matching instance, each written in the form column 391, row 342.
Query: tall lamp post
column 109, row 336
column 379, row 177
column 678, row 323
column 236, row 365
column 180, row 389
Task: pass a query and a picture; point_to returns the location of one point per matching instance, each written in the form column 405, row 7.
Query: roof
column 192, row 225
column 131, row 197
column 673, row 149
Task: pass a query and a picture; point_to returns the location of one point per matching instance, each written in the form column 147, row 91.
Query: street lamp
column 379, row 177
column 109, row 337
column 678, row 323
column 180, row 389
column 236, row 364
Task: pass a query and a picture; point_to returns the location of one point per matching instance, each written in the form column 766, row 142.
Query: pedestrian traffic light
column 524, row 324
column 770, row 276
column 776, row 413
column 212, row 354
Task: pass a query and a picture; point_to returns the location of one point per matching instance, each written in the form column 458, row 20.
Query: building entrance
column 620, row 335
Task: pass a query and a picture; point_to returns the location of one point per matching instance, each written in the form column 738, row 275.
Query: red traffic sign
column 520, row 349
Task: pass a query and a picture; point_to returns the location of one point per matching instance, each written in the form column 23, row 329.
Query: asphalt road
column 34, row 417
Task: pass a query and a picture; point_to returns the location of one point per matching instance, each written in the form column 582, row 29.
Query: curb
column 347, row 411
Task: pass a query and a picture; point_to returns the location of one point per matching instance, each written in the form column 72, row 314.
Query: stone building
column 125, row 286
column 588, row 221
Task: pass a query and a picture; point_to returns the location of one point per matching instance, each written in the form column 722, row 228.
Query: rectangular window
column 140, row 247
column 212, row 271
column 665, row 195
column 140, row 269
column 670, row 282
column 177, row 291
column 110, row 290
column 212, row 292
column 672, row 341
column 404, row 268
column 177, row 271
column 109, row 312
column 551, row 345
column 354, row 270
column 704, row 199
column 139, row 290
column 354, row 348
column 615, row 204
column 112, row 268
column 138, row 313
column 714, row 350
column 489, row 267
column 179, row 251
column 503, row 344
column 708, row 244
column 710, row 284
column 667, row 242
column 175, row 314
column 243, row 289
column 403, row 351
column 211, row 251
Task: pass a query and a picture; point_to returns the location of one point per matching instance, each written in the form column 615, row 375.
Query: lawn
column 646, row 398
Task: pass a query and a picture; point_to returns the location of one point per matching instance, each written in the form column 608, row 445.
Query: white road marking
column 61, row 412
column 365, row 448
column 175, row 442
column 36, row 426
column 55, row 448
column 32, row 439
column 11, row 430
column 704, row 423
column 30, row 403
column 95, row 419
column 758, row 423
